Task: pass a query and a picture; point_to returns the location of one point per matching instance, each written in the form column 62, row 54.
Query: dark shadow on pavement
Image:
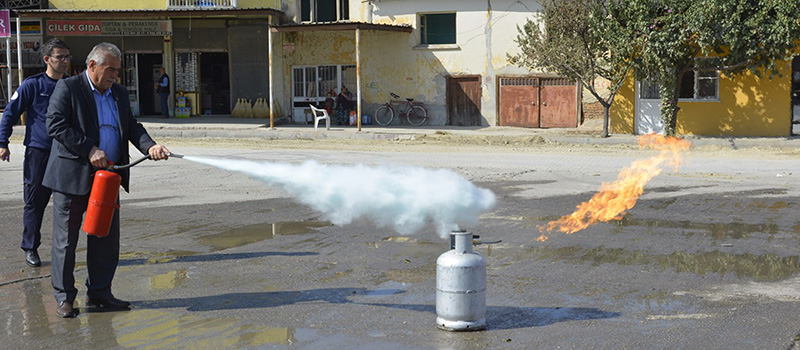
column 232, row 301
column 497, row 317
column 213, row 257
column 510, row 317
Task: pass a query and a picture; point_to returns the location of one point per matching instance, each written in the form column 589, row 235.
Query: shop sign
column 31, row 51
column 5, row 24
column 109, row 28
column 33, row 27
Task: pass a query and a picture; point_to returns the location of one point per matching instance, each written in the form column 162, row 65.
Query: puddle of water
column 169, row 280
column 729, row 230
column 766, row 267
column 249, row 234
column 387, row 288
column 153, row 258
column 400, row 239
column 151, row 329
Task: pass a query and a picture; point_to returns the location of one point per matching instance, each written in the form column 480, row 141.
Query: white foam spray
column 401, row 197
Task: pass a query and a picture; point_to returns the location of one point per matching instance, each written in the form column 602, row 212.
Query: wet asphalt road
column 707, row 259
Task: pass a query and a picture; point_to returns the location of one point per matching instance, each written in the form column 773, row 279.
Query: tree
column 731, row 36
column 582, row 40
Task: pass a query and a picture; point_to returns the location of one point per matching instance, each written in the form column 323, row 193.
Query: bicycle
column 415, row 112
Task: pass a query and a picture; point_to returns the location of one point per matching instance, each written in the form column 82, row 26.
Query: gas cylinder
column 461, row 287
column 102, row 203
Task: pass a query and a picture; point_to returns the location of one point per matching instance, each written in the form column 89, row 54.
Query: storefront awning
column 150, row 13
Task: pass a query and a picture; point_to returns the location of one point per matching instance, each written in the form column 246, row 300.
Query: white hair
column 99, row 52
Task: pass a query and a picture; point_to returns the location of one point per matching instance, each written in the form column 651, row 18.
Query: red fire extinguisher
column 103, row 200
column 102, row 203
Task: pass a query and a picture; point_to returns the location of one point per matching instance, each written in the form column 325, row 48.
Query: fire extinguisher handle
column 117, row 167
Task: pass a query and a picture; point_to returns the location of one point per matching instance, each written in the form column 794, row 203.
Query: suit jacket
column 72, row 123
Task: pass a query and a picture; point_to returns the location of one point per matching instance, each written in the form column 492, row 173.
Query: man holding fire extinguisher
column 90, row 122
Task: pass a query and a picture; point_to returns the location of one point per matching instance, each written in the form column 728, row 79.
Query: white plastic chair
column 320, row 114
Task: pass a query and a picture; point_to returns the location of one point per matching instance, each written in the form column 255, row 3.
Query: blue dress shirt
column 108, row 119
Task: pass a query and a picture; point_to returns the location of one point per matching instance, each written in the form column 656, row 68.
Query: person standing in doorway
column 163, row 91
column 90, row 120
column 33, row 96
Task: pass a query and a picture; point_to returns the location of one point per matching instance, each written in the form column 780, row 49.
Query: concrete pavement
column 588, row 133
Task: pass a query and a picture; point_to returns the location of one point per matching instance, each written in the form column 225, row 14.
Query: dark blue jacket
column 32, row 96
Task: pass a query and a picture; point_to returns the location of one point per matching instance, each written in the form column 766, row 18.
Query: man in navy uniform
column 33, row 96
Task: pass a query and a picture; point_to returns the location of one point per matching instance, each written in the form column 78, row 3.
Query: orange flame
column 614, row 199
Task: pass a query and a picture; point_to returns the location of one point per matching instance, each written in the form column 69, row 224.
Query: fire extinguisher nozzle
column 175, row 155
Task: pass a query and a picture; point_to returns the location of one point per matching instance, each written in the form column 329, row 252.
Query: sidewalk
column 588, row 133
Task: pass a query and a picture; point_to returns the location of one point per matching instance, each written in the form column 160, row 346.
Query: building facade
column 214, row 50
column 450, row 55
column 713, row 104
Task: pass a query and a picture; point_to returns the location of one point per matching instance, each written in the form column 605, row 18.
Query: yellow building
column 713, row 104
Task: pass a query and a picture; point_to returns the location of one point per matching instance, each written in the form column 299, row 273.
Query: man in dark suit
column 90, row 122
column 163, row 91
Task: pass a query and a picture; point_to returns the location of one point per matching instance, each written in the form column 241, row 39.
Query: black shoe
column 65, row 310
column 108, row 303
column 32, row 258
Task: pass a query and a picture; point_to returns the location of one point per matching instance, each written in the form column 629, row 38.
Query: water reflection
column 715, row 230
column 765, row 267
column 240, row 236
column 169, row 280
column 153, row 329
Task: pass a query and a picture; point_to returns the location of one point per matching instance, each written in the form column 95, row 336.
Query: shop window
column 437, row 28
column 324, row 10
column 312, row 83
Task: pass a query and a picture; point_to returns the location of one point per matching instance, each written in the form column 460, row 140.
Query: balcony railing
column 201, row 4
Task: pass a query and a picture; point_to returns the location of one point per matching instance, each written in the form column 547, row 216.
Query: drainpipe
column 19, row 52
column 358, row 76
column 271, row 99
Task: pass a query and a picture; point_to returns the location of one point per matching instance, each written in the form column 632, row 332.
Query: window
column 324, row 10
column 700, row 85
column 312, row 83
column 437, row 28
column 695, row 85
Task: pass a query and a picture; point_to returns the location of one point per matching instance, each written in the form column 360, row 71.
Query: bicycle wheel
column 384, row 115
column 417, row 115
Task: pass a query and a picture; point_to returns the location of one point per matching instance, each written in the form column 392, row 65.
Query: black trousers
column 102, row 254
column 36, row 196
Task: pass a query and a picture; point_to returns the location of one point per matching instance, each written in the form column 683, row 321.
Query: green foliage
column 731, row 36
column 581, row 40
column 660, row 40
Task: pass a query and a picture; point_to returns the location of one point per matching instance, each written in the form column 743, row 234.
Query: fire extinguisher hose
column 117, row 167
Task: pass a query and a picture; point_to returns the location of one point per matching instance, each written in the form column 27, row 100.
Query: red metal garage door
column 538, row 103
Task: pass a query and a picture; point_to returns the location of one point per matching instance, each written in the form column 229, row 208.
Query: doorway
column 796, row 90
column 215, row 87
column 464, row 101
column 648, row 111
column 148, row 99
column 538, row 102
